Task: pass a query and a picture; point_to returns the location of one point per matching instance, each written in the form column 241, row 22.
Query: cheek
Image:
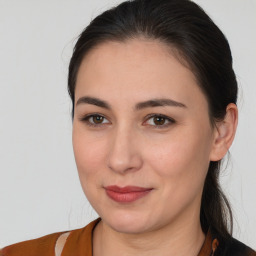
column 180, row 166
column 88, row 153
column 182, row 158
column 88, row 156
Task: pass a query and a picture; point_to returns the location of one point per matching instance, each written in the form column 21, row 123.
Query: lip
column 126, row 194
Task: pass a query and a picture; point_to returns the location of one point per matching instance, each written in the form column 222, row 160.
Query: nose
column 123, row 155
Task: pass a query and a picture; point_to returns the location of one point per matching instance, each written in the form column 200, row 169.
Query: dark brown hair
column 184, row 26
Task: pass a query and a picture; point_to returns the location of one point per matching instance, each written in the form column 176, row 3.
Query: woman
column 154, row 112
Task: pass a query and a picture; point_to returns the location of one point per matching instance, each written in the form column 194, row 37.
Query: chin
column 127, row 223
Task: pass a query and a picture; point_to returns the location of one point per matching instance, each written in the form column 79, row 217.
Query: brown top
column 79, row 243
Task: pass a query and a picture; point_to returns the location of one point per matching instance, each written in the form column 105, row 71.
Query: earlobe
column 224, row 133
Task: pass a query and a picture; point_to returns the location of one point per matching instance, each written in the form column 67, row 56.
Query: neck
column 181, row 240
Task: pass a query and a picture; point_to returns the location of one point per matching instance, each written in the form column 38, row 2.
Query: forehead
column 136, row 68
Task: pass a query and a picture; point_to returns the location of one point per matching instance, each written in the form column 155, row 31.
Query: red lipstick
column 126, row 194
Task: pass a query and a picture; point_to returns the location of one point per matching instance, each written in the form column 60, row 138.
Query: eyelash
column 170, row 120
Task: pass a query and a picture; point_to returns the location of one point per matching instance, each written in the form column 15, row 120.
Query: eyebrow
column 141, row 105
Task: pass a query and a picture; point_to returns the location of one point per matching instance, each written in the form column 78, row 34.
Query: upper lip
column 127, row 189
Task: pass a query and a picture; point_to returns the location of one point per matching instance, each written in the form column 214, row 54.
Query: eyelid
column 169, row 119
column 87, row 117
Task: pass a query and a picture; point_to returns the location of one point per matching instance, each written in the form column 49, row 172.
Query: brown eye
column 97, row 119
column 159, row 120
column 94, row 120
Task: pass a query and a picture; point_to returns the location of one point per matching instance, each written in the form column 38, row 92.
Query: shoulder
column 237, row 248
column 233, row 247
column 45, row 246
column 40, row 246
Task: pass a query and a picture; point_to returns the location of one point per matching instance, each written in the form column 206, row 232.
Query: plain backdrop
column 40, row 191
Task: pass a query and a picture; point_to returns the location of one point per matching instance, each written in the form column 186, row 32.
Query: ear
column 224, row 133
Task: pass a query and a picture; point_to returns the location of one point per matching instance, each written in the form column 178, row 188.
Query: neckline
column 206, row 247
column 205, row 250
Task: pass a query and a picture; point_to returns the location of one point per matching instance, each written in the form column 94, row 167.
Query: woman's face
column 148, row 128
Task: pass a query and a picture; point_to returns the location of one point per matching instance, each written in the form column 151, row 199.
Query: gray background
column 40, row 191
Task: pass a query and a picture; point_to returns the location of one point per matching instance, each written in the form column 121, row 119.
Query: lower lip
column 126, row 197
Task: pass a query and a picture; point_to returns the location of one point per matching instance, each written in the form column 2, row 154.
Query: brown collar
column 209, row 246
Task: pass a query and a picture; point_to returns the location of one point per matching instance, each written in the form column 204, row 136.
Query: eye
column 94, row 120
column 160, row 121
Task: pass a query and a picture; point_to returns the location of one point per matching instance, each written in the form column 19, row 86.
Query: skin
column 130, row 148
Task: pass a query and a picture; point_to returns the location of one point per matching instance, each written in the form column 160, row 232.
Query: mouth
column 126, row 194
